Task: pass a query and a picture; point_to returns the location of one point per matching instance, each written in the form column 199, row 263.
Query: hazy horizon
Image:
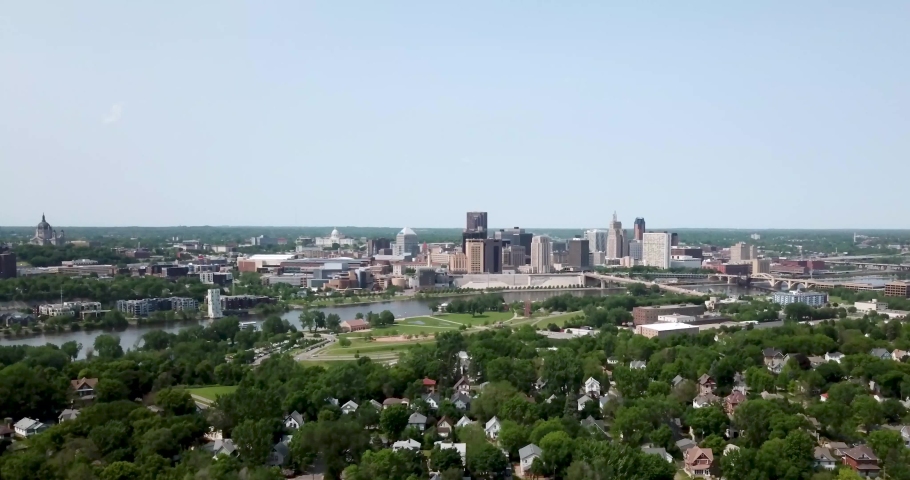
column 729, row 115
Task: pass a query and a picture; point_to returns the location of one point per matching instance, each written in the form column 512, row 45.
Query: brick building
column 646, row 315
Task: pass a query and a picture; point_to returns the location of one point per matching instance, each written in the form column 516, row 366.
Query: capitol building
column 333, row 238
column 45, row 235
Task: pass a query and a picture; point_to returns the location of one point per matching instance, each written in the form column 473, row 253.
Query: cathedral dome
column 43, row 225
column 335, row 232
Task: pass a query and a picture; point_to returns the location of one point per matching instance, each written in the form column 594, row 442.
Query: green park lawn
column 366, row 348
column 212, row 393
column 558, row 320
column 398, row 330
column 467, row 319
column 427, row 321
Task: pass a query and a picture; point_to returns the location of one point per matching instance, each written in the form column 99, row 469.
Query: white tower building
column 541, row 254
column 655, row 248
column 214, row 300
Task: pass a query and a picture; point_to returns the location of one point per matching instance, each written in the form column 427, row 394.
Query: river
column 131, row 337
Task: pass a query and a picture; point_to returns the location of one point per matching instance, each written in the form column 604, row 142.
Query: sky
column 773, row 114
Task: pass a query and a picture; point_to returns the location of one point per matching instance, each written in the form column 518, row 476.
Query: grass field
column 427, row 321
column 559, row 320
column 399, row 330
column 467, row 319
column 366, row 348
column 212, row 393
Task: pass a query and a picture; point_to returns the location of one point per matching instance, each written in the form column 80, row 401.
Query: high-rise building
column 656, row 249
column 761, row 265
column 406, row 243
column 214, row 303
column 579, row 253
column 476, row 221
column 516, row 236
column 740, row 253
column 377, row 244
column 8, row 265
column 513, row 256
column 639, row 228
column 597, row 240
column 541, row 250
column 635, row 250
column 615, row 240
column 484, row 255
column 471, row 235
column 674, row 239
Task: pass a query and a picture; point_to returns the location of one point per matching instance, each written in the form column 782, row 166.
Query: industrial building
column 815, row 299
column 650, row 314
column 663, row 330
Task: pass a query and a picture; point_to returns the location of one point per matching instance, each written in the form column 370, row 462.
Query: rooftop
column 665, row 327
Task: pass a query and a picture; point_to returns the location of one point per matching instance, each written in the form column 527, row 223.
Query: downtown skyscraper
column 615, row 239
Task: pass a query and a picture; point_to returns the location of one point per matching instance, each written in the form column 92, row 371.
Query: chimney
column 8, row 422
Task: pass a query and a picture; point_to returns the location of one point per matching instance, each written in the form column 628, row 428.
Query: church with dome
column 45, row 235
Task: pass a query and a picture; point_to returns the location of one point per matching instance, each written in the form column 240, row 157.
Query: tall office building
column 8, row 265
column 615, row 240
column 541, row 251
column 761, row 265
column 476, row 221
column 579, row 253
column 516, row 236
column 740, row 253
column 635, row 250
column 377, row 244
column 484, row 255
column 674, row 239
column 597, row 240
column 406, row 243
column 655, row 249
column 639, row 228
column 513, row 256
column 214, row 303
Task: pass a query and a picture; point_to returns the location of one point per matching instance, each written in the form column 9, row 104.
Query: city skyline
column 143, row 120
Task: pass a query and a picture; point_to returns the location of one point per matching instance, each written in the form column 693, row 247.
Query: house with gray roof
column 659, row 451
column 417, row 420
column 526, row 456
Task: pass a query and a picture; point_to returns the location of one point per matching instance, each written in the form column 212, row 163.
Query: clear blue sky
column 546, row 114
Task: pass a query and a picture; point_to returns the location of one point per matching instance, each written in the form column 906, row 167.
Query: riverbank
column 447, row 295
column 42, row 330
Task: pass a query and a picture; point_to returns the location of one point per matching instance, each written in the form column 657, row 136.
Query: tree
column 111, row 389
column 708, row 421
column 631, row 424
column 175, row 401
column 513, row 436
column 108, row 346
column 486, row 462
column 753, row 417
column 254, row 440
column 307, row 319
column 120, row 471
column 333, row 322
column 798, row 312
column 867, row 411
column 557, row 452
column 562, row 371
column 319, row 319
column 71, row 348
column 386, row 318
column 442, row 459
column 394, row 420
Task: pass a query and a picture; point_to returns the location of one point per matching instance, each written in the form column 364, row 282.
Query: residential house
column 155, row 409
column 224, row 446
column 429, row 385
column 376, row 405
column 815, row 361
column 801, row 359
column 349, row 407
column 776, row 365
column 6, row 432
column 463, row 385
column 685, row 444
column 582, row 401
column 409, row 444
column 612, row 361
column 67, row 415
column 332, row 401
column 432, row 400
column 464, row 362
column 677, row 381
column 280, row 453
column 638, row 365
column 899, row 355
column 463, row 422
column 606, row 399
column 461, row 401
column 771, row 354
column 739, row 383
column 837, row 447
column 771, row 396
column 526, row 456
column 659, row 451
column 84, row 388
column 418, row 421
column 592, row 387
column 590, row 422
column 698, row 462
column 824, row 459
column 293, row 420
column 905, row 435
column 27, row 427
column 395, row 401
column 706, row 384
column 823, row 397
column 834, row 357
column 444, row 427
column 492, row 428
column 705, row 400
column 733, row 400
column 862, row 461
column 880, row 353
column 540, row 384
